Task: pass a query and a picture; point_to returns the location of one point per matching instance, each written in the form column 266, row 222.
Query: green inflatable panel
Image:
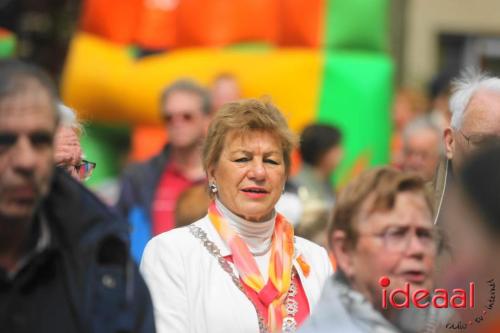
column 7, row 44
column 356, row 96
column 357, row 25
column 107, row 146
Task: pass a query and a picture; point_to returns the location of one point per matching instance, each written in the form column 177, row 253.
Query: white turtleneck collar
column 257, row 235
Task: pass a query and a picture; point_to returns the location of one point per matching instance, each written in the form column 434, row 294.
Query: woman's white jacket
column 192, row 293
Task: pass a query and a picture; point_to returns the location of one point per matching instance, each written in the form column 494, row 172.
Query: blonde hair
column 245, row 116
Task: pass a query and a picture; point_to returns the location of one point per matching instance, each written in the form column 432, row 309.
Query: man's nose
column 24, row 155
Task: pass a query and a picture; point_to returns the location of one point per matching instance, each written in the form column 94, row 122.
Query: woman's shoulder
column 176, row 239
column 315, row 255
column 306, row 245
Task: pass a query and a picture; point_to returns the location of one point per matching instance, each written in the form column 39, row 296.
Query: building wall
column 426, row 19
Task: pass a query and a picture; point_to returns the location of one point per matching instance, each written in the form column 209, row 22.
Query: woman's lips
column 254, row 192
column 416, row 277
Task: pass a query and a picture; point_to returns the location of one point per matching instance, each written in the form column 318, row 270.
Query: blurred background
column 367, row 67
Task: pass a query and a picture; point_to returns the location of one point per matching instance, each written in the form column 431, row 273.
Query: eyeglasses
column 185, row 117
column 398, row 239
column 480, row 140
column 83, row 170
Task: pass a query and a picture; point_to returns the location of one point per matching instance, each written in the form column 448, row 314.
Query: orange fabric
column 115, row 20
column 296, row 161
column 156, row 27
column 302, row 22
column 333, row 260
column 222, row 22
column 147, row 141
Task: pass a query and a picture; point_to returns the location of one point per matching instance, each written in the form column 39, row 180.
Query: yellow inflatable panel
column 105, row 84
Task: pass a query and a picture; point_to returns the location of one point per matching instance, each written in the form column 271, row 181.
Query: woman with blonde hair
column 240, row 268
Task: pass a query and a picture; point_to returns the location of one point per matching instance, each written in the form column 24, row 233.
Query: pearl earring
column 213, row 187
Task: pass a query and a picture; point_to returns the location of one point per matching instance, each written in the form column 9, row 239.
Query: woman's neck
column 257, row 235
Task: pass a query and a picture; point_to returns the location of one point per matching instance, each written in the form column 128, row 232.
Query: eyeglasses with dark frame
column 480, row 140
column 84, row 170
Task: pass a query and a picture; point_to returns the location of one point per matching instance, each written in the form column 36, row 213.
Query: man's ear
column 449, row 142
column 342, row 251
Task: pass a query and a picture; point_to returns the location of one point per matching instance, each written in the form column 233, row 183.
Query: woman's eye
column 425, row 234
column 271, row 161
column 242, row 159
column 396, row 232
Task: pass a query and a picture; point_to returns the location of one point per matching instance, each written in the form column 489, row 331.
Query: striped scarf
column 273, row 293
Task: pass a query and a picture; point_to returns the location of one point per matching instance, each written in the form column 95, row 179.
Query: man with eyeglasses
column 475, row 124
column 68, row 153
column 150, row 190
column 382, row 227
column 64, row 259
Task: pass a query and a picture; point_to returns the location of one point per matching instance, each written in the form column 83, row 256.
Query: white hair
column 423, row 123
column 67, row 118
column 463, row 89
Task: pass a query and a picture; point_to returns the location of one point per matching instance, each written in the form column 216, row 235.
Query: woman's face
column 250, row 174
column 399, row 243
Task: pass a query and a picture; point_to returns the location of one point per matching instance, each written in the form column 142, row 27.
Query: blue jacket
column 138, row 187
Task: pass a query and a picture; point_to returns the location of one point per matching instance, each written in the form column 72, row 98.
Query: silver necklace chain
column 292, row 307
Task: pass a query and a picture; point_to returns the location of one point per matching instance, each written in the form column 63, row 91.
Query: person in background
column 408, row 105
column 192, row 205
column 64, row 259
column 225, row 88
column 68, row 152
column 149, row 190
column 475, row 123
column 382, row 230
column 321, row 152
column 472, row 221
column 423, row 147
column 240, row 268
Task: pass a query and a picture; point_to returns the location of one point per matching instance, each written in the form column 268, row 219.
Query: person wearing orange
column 240, row 268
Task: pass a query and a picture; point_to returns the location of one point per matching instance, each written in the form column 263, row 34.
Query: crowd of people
column 217, row 234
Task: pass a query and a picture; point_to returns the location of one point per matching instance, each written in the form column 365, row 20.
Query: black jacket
column 85, row 281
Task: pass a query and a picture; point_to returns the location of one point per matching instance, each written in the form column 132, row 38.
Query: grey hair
column 15, row 76
column 68, row 118
column 464, row 87
column 421, row 123
column 190, row 86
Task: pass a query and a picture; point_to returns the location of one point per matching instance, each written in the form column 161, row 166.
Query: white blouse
column 192, row 293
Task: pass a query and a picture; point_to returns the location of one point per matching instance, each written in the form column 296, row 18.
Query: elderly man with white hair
column 68, row 152
column 475, row 123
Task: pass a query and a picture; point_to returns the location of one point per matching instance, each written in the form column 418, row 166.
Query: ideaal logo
column 423, row 298
column 439, row 298
column 477, row 319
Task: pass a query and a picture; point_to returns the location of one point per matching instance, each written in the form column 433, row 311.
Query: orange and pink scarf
column 274, row 292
